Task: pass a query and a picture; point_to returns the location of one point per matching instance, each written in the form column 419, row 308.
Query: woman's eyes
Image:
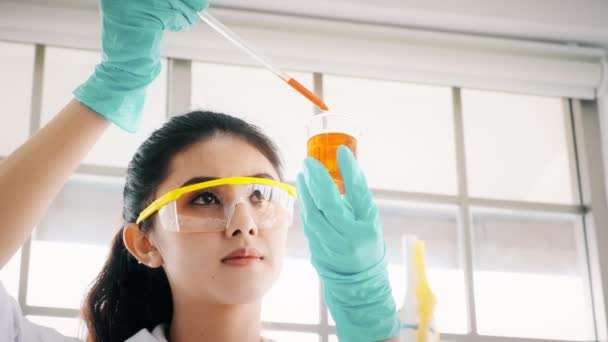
column 256, row 196
column 205, row 198
column 209, row 198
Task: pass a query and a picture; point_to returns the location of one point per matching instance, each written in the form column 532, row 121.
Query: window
column 67, row 326
column 71, row 243
column 439, row 228
column 264, row 100
column 9, row 275
column 407, row 141
column 16, row 68
column 516, row 231
column 530, row 275
column 517, row 147
column 116, row 147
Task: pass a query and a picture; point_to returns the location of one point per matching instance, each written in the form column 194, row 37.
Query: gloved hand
column 348, row 250
column 132, row 31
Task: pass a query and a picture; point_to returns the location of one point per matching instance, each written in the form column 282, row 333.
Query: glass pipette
column 236, row 40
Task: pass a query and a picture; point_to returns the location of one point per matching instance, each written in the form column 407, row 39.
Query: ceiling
column 570, row 21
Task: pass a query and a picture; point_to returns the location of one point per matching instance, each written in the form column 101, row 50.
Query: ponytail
column 126, row 297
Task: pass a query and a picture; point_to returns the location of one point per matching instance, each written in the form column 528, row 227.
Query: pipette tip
column 308, row 94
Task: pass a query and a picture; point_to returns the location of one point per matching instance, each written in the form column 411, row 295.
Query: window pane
column 280, row 336
column 530, row 276
column 438, row 227
column 407, row 138
column 9, row 275
column 87, row 210
column 116, row 147
column 60, row 273
column 16, row 68
column 516, row 147
column 71, row 243
column 66, row 326
column 259, row 97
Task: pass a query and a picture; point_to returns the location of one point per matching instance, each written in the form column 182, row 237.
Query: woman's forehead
column 218, row 157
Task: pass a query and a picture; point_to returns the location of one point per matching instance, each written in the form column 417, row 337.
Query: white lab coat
column 16, row 328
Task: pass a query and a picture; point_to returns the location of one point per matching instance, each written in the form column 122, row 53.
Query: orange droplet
column 308, row 94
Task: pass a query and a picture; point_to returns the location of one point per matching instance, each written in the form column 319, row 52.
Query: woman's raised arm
column 31, row 177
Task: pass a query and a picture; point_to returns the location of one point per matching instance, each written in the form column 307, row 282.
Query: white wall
column 603, row 108
column 576, row 21
column 549, row 20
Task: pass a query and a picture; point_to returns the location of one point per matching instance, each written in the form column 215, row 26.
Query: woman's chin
column 242, row 296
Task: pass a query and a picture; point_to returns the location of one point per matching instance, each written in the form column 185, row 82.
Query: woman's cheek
column 194, row 252
column 279, row 246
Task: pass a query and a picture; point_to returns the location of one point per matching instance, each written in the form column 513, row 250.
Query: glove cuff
column 189, row 11
column 121, row 107
column 362, row 305
column 131, row 61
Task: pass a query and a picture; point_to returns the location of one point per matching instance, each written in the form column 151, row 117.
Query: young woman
column 206, row 214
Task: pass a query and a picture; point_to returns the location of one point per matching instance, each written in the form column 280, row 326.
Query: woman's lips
column 241, row 261
column 242, row 257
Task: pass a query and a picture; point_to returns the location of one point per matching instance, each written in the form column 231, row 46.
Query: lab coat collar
column 144, row 335
column 158, row 335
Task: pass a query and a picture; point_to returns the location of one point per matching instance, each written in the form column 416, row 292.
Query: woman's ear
column 141, row 246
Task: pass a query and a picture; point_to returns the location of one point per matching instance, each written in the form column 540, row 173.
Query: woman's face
column 195, row 262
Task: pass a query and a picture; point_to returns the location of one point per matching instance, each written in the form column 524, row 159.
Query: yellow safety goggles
column 210, row 206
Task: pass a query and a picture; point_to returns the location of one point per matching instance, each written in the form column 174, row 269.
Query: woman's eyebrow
column 262, row 175
column 200, row 179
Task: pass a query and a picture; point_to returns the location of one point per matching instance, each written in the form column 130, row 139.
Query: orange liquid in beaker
column 323, row 147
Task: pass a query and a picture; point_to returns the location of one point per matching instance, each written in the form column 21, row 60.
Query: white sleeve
column 15, row 328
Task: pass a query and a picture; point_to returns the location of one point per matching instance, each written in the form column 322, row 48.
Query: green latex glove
column 132, row 31
column 348, row 250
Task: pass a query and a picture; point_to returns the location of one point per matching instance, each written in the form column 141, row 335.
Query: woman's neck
column 209, row 322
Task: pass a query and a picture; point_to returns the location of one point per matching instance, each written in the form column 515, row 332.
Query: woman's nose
column 241, row 221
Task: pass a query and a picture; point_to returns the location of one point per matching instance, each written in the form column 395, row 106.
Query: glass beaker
column 325, row 133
